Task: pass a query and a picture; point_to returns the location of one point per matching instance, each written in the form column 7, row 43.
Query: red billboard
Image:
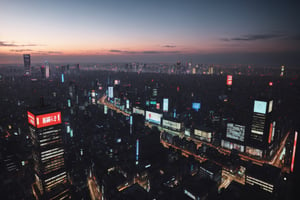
column 229, row 80
column 48, row 119
column 31, row 118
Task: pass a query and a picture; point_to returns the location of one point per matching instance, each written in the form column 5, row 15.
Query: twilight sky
column 246, row 32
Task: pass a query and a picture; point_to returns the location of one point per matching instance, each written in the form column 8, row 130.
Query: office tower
column 211, row 70
column 263, row 127
column 27, row 64
column 48, row 154
column 47, row 72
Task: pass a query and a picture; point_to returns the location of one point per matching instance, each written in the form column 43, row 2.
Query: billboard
column 231, row 145
column 235, row 131
column 111, row 92
column 229, row 80
column 203, row 135
column 153, row 117
column 165, row 105
column 171, row 125
column 49, row 119
column 31, row 118
column 260, row 107
column 196, row 106
column 138, row 111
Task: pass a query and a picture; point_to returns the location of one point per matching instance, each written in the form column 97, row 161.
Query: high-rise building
column 27, row 64
column 263, row 126
column 48, row 154
column 47, row 73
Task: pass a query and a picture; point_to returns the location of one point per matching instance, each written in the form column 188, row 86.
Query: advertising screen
column 111, row 92
column 231, row 145
column 138, row 111
column 153, row 117
column 260, row 107
column 165, row 105
column 172, row 125
column 196, row 106
column 229, row 80
column 235, row 131
column 203, row 135
column 31, row 118
column 187, row 132
column 48, row 119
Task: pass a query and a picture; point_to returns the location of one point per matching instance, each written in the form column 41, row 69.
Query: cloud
column 20, row 50
column 121, row 51
column 159, row 52
column 142, row 52
column 253, row 37
column 54, row 52
column 7, row 44
column 47, row 52
column 169, row 46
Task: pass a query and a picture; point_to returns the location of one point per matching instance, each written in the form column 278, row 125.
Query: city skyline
column 154, row 31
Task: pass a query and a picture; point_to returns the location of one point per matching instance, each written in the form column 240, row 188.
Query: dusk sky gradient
column 266, row 32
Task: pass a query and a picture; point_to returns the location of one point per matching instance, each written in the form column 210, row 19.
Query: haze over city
column 231, row 32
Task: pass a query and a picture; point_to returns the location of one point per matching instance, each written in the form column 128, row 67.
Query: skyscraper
column 27, row 63
column 48, row 154
column 263, row 127
column 47, row 66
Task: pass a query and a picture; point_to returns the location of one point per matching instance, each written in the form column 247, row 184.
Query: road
column 275, row 161
column 95, row 193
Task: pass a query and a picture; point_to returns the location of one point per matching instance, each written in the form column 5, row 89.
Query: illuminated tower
column 27, row 64
column 47, row 72
column 263, row 127
column 48, row 154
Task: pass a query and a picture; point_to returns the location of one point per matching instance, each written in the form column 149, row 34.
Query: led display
column 165, row 105
column 31, row 118
column 260, row 107
column 229, row 80
column 48, row 119
column 196, row 106
column 235, row 131
column 153, row 117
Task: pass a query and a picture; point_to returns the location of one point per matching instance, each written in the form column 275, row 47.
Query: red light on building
column 270, row 133
column 178, row 88
column 157, row 106
column 31, row 118
column 294, row 151
column 229, row 80
column 48, row 119
column 270, row 83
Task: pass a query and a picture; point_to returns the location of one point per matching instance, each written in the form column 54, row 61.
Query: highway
column 95, row 193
